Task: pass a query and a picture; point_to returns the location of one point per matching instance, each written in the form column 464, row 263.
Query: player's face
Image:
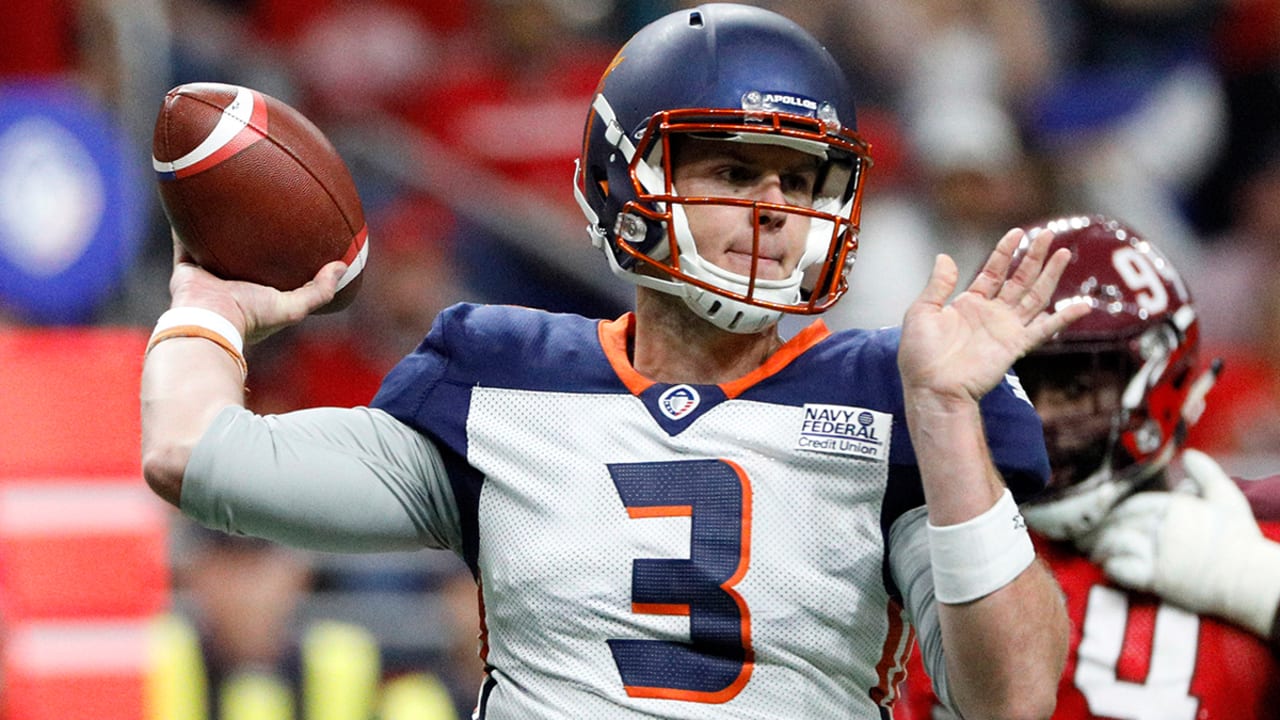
column 1071, row 383
column 1078, row 397
column 1078, row 393
column 759, row 173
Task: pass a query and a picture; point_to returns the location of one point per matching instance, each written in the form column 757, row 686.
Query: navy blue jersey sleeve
column 503, row 346
column 416, row 392
column 1016, row 438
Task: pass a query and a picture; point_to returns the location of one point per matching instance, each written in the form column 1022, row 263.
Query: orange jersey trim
column 614, row 335
column 892, row 668
column 613, row 340
column 815, row 333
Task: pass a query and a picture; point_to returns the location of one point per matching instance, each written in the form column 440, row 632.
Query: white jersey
column 678, row 551
column 647, row 550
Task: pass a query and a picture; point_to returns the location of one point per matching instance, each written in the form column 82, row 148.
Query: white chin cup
column 727, row 314
column 724, row 312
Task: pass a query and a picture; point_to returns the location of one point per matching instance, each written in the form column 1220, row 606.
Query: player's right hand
column 257, row 311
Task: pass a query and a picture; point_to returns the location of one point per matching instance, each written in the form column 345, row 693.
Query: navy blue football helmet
column 725, row 72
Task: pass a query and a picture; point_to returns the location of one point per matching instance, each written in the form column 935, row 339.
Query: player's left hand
column 963, row 348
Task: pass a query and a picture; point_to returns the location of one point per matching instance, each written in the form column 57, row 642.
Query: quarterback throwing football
column 677, row 513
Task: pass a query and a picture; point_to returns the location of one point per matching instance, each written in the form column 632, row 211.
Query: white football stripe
column 233, row 121
column 356, row 266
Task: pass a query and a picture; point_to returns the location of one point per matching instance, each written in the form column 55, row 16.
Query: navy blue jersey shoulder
column 507, row 346
column 851, row 367
column 859, row 368
column 1016, row 437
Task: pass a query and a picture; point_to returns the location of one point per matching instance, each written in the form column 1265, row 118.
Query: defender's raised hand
column 964, row 347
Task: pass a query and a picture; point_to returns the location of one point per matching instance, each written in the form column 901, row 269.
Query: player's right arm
column 336, row 479
column 187, row 381
column 329, row 479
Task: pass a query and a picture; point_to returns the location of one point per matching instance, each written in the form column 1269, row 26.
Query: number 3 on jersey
column 716, row 663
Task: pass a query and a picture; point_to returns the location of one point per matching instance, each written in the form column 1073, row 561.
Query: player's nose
column 769, row 192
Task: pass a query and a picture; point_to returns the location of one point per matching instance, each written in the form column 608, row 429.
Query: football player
column 1172, row 583
column 677, row 513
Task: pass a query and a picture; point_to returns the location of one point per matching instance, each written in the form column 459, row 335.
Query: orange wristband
column 200, row 323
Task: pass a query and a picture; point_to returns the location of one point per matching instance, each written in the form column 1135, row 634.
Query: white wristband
column 975, row 558
column 200, row 317
column 203, row 323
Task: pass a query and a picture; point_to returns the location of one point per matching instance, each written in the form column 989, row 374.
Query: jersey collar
column 614, row 335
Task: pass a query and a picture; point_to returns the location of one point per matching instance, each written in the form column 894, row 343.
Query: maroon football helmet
column 1130, row 366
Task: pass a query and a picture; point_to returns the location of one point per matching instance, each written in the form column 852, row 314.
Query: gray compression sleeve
column 912, row 571
column 331, row 479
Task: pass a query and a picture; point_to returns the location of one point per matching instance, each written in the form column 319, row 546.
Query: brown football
column 255, row 191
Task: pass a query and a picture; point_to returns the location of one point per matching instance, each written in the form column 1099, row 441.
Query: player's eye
column 799, row 186
column 738, row 174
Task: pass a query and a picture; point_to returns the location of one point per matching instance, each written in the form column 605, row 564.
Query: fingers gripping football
column 257, row 311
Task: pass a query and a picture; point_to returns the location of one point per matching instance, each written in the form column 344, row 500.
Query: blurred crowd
column 461, row 120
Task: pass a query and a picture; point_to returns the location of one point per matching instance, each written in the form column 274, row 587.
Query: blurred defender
column 1172, row 584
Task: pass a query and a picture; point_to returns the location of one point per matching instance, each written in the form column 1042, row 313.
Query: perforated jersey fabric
column 648, row 550
column 644, row 550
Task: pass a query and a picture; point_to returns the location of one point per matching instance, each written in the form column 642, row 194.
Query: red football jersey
column 1134, row 657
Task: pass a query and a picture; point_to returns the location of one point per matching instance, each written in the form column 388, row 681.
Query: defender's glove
column 1201, row 552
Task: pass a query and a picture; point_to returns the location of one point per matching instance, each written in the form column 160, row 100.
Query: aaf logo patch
column 678, row 401
column 844, row 430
